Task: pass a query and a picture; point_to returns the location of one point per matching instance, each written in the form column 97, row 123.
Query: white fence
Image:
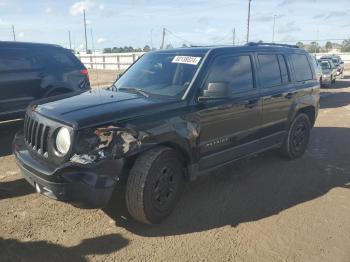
column 115, row 61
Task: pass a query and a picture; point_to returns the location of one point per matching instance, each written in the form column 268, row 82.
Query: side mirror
column 216, row 91
column 342, row 62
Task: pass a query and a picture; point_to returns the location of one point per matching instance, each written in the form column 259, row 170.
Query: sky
column 140, row 22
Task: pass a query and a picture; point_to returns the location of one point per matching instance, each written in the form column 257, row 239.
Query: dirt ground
column 262, row 209
column 102, row 78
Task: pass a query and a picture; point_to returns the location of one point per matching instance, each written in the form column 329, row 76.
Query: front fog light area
column 63, row 141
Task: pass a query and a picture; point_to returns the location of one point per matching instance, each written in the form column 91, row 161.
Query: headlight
column 63, row 141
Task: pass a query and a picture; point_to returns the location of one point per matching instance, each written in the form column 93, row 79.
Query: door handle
column 42, row 75
column 252, row 103
column 289, row 95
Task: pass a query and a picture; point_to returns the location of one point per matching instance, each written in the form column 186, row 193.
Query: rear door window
column 12, row 59
column 302, row 67
column 270, row 74
column 235, row 70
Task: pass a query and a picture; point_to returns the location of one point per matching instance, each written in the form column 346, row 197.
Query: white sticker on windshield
column 191, row 60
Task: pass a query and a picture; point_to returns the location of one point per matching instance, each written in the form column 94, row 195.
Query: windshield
column 159, row 74
column 325, row 65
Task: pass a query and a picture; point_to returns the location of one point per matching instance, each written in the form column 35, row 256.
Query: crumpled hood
column 98, row 106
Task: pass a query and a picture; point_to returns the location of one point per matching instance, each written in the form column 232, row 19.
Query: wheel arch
column 58, row 89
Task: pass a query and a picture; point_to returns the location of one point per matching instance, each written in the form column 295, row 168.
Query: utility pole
column 163, row 39
column 13, row 33
column 70, row 41
column 92, row 41
column 273, row 30
column 316, row 43
column 234, row 36
column 248, row 23
column 152, row 39
column 86, row 45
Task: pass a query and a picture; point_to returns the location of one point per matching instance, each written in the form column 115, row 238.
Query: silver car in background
column 329, row 72
column 338, row 62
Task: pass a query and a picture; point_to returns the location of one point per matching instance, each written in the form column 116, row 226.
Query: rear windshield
column 325, row 65
column 61, row 57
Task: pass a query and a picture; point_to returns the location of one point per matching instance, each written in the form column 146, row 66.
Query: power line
column 179, row 37
column 312, row 40
column 228, row 35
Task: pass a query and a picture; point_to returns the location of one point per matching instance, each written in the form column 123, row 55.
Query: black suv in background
column 173, row 116
column 30, row 71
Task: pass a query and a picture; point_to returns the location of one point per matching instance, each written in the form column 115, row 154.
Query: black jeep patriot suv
column 172, row 117
column 30, row 71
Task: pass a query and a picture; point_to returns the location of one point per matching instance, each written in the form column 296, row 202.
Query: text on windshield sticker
column 191, row 60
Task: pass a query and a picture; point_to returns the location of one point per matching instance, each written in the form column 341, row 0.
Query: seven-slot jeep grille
column 36, row 135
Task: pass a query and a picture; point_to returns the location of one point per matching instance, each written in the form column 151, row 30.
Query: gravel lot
column 262, row 209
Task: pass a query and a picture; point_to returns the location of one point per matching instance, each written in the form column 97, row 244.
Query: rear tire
column 298, row 137
column 154, row 185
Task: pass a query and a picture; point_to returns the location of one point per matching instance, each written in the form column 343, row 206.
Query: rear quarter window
column 302, row 67
column 63, row 58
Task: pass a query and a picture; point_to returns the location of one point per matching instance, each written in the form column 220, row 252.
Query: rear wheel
column 298, row 137
column 154, row 185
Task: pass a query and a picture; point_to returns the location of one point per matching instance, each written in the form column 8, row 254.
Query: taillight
column 85, row 72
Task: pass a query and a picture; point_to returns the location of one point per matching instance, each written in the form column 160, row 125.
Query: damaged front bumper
column 87, row 185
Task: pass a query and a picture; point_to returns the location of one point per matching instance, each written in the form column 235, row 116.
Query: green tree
column 346, row 46
column 313, row 47
column 300, row 44
column 146, row 48
column 328, row 46
column 107, row 50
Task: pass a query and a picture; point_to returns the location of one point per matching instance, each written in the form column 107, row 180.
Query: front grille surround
column 40, row 135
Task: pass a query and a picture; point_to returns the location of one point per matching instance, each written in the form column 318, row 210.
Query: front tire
column 298, row 137
column 333, row 80
column 154, row 185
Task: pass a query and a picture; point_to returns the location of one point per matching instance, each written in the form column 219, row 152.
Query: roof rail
column 273, row 44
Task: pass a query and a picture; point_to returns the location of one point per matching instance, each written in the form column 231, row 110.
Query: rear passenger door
column 19, row 79
column 277, row 93
column 230, row 127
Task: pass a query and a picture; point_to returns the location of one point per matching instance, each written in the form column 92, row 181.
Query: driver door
column 230, row 127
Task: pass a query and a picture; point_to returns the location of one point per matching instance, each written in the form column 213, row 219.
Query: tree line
column 126, row 49
column 313, row 47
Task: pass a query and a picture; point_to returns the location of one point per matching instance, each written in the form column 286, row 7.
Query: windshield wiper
column 135, row 90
